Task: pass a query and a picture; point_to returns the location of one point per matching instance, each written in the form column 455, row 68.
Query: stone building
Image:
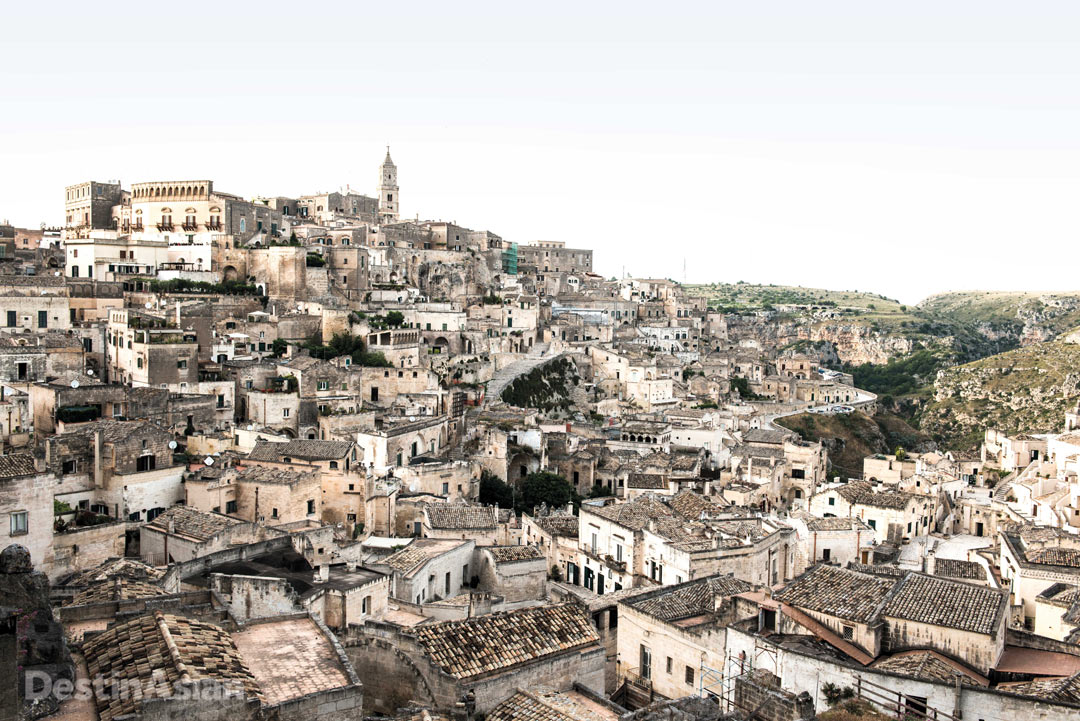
column 489, row 657
column 666, row 636
column 429, row 569
column 517, row 573
column 289, row 669
column 89, row 206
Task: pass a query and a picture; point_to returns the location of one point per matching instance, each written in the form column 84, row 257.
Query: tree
column 494, row 491
column 545, row 487
column 278, row 347
column 901, row 454
column 395, row 318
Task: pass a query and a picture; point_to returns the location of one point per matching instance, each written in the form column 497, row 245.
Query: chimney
column 99, row 480
column 178, row 315
column 930, row 562
column 324, row 573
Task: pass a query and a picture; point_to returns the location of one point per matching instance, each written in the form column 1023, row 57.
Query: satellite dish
column 90, row 371
column 208, row 461
column 74, row 384
column 172, row 444
column 149, row 304
column 250, row 427
column 57, row 273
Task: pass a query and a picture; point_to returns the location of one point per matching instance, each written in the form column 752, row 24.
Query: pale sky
column 904, row 148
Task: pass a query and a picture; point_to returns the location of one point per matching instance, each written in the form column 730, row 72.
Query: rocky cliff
column 1027, row 389
column 830, row 342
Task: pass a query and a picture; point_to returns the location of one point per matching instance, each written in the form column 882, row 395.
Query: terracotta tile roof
column 694, row 506
column 17, row 464
column 835, row 524
column 113, row 568
column 878, row 569
column 406, row 559
column 446, row 516
column 953, row 568
column 498, row 641
column 634, row 515
column 941, row 602
column 837, row 592
column 509, row 554
column 419, row 552
column 547, row 705
column 270, row 474
column 192, row 523
column 931, row 666
column 863, row 493
column 1056, row 556
column 689, row 599
column 646, row 480
column 180, row 649
column 1050, row 689
column 313, row 450
column 115, row 589
column 559, row 525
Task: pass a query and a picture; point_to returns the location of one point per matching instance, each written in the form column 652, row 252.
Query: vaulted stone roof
column 498, row 641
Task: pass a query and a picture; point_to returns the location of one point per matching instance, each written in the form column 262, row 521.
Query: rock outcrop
column 31, row 639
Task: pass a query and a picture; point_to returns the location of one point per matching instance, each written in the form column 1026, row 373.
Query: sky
column 901, row 148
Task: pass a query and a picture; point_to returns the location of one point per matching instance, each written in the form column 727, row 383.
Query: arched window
column 243, row 225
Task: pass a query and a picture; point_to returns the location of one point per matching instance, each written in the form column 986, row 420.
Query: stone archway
column 390, row 678
column 230, row 273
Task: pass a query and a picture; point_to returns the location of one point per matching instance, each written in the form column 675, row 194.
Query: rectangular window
column 181, row 364
column 849, row 633
column 19, row 523
column 324, row 385
column 12, row 319
column 689, row 676
column 669, row 664
column 273, row 513
column 230, row 506
column 311, row 506
column 645, row 663
column 285, row 412
column 43, row 319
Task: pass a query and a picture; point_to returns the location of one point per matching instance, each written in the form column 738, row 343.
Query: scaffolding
column 718, row 684
column 510, row 259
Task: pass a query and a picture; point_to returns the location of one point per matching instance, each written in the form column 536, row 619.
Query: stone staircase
column 537, row 356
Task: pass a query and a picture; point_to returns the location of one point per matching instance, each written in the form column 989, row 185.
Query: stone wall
column 759, row 693
column 251, row 597
column 395, row 670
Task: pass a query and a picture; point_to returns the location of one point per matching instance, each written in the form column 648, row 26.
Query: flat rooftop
column 294, row 568
column 290, row 658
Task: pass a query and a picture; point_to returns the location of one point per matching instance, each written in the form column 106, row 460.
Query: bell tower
column 388, row 190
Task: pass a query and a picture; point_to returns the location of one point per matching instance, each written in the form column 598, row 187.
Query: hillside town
column 294, row 458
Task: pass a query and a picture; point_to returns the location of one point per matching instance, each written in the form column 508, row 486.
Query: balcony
column 213, row 225
column 166, row 227
column 191, row 227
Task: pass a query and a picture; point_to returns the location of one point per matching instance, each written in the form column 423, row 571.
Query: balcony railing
column 166, row 226
column 213, row 225
column 191, row 227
